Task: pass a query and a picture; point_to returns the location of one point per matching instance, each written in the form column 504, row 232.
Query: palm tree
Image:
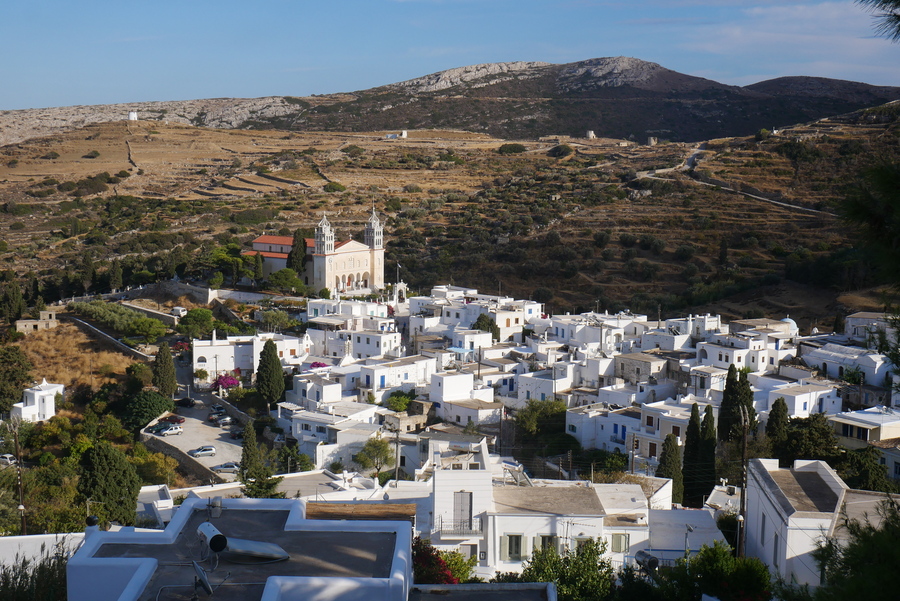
column 887, row 16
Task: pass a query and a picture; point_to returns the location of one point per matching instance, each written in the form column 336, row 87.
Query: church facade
column 342, row 267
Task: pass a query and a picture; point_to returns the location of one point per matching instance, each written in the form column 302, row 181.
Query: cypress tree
column 164, row 372
column 108, row 478
column 692, row 455
column 670, row 467
column 258, row 267
column 297, row 256
column 253, row 473
column 729, row 410
column 269, row 375
column 115, row 275
column 746, row 399
column 777, row 426
column 707, row 460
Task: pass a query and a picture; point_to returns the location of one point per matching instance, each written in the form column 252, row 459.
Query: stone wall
column 188, row 464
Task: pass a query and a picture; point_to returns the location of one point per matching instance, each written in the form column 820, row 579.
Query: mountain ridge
column 614, row 97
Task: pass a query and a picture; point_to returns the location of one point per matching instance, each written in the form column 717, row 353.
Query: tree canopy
column 670, row 466
column 140, row 409
column 164, row 372
column 15, row 374
column 887, row 17
column 486, row 324
column 108, row 478
column 196, row 323
column 269, row 375
column 254, row 471
column 375, row 454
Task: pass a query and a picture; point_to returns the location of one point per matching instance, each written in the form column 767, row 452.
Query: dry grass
column 65, row 355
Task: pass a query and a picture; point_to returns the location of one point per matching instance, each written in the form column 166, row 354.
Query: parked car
column 171, row 430
column 215, row 417
column 207, row 451
column 7, row 459
column 217, row 408
column 237, row 433
column 186, row 402
column 229, row 468
column 225, row 420
column 158, row 427
column 173, row 419
column 179, row 311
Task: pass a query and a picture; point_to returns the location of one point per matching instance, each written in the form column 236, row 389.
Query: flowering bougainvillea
column 316, row 364
column 226, row 382
column 428, row 566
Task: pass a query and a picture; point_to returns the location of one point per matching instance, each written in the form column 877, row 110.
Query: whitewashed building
column 38, row 402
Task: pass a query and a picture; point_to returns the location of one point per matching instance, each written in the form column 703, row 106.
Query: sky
column 64, row 53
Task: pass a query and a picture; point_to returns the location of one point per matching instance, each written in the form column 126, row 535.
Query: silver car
column 207, row 451
column 228, row 468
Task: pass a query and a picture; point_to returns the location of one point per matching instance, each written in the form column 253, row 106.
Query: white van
column 179, row 311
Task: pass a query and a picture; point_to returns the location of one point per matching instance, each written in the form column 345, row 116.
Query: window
column 546, row 541
column 650, row 421
column 676, row 430
column 281, row 353
column 775, row 551
column 320, row 429
column 846, row 430
column 458, row 420
column 572, row 428
column 402, row 461
column 762, row 529
column 456, row 466
column 474, row 466
column 619, row 543
column 511, row 547
column 652, row 450
column 897, row 469
column 804, row 405
column 293, row 352
column 307, row 427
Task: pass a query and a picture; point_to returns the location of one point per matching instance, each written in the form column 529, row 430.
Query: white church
column 346, row 267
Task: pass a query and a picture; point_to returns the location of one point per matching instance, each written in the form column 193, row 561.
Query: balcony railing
column 616, row 440
column 457, row 527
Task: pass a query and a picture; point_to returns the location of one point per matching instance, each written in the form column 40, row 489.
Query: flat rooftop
column 806, row 491
column 312, row 553
column 554, row 500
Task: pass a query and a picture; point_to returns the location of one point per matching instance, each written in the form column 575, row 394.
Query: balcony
column 616, row 440
column 461, row 528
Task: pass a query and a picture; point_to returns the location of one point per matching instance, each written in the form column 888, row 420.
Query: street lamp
column 687, row 548
column 740, row 549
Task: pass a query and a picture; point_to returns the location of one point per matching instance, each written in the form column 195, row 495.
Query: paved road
column 198, row 431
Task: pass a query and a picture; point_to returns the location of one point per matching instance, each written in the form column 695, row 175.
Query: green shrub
column 563, row 150
column 334, row 187
column 91, row 155
column 18, row 225
column 51, row 155
column 511, row 149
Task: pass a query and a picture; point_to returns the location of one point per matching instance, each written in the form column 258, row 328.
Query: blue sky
column 61, row 52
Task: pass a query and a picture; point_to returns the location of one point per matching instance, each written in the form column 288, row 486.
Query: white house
column 380, row 378
column 38, row 402
column 240, row 354
column 604, row 427
column 789, row 510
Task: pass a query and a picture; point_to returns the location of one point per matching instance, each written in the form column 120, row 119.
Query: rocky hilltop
column 616, row 97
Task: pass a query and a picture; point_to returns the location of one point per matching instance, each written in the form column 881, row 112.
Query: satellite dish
column 202, row 579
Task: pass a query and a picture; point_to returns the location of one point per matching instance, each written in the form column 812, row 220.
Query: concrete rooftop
column 312, row 553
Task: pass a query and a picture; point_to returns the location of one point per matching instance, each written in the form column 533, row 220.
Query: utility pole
column 742, row 538
column 19, row 478
column 397, row 455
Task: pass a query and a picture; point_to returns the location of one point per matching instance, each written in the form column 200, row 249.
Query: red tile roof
column 268, row 255
column 283, row 240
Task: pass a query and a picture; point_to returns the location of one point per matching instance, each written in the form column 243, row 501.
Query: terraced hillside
column 578, row 223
